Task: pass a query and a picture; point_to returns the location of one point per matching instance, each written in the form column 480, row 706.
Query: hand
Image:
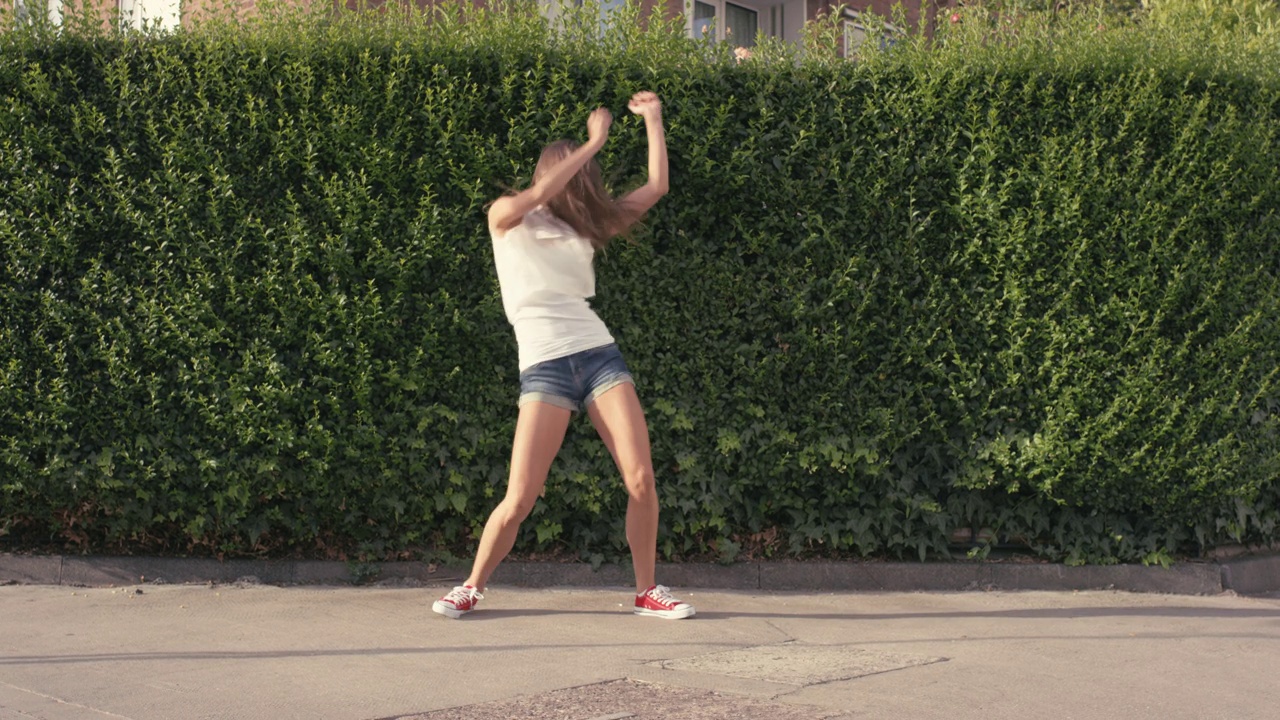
column 598, row 125
column 646, row 105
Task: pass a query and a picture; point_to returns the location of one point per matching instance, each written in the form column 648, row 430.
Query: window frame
column 721, row 17
column 136, row 19
column 23, row 11
column 852, row 20
column 551, row 11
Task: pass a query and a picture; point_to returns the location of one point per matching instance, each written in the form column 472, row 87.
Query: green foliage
column 1024, row 279
column 1232, row 20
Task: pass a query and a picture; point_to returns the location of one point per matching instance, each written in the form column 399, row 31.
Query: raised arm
column 507, row 212
column 638, row 201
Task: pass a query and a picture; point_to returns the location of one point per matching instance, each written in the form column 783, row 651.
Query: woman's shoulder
column 539, row 222
column 500, row 233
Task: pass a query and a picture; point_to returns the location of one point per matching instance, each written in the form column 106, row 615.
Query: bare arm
column 638, row 201
column 507, row 212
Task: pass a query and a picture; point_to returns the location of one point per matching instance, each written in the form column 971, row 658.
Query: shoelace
column 662, row 594
column 461, row 595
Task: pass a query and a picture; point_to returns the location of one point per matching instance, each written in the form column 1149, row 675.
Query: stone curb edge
column 1246, row 575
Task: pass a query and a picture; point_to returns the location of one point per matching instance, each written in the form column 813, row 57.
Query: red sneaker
column 658, row 602
column 460, row 601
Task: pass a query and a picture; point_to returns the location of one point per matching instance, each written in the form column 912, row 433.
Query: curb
column 1256, row 575
column 1244, row 575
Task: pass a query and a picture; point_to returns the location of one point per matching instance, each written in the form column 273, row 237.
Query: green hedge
column 249, row 304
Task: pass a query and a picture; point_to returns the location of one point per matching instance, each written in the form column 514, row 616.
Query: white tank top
column 546, row 276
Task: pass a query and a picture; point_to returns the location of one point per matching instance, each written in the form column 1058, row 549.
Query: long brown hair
column 584, row 203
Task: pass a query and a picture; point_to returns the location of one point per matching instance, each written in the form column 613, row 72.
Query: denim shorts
column 574, row 381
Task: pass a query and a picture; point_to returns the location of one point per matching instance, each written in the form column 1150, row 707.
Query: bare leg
column 619, row 419
column 539, row 432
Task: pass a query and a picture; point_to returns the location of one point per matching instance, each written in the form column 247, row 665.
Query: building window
column 607, row 10
column 741, row 24
column 854, row 35
column 704, row 20
column 856, row 32
column 26, row 11
column 151, row 14
column 552, row 10
column 736, row 23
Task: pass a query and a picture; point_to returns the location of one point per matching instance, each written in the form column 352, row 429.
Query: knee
column 641, row 485
column 515, row 508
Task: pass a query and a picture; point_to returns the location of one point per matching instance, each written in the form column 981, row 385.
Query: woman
column 544, row 239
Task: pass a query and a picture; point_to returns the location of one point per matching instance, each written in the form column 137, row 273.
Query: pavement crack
column 789, row 637
column 873, row 673
column 795, row 689
column 60, row 701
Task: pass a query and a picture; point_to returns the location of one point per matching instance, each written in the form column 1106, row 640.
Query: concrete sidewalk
column 255, row 651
